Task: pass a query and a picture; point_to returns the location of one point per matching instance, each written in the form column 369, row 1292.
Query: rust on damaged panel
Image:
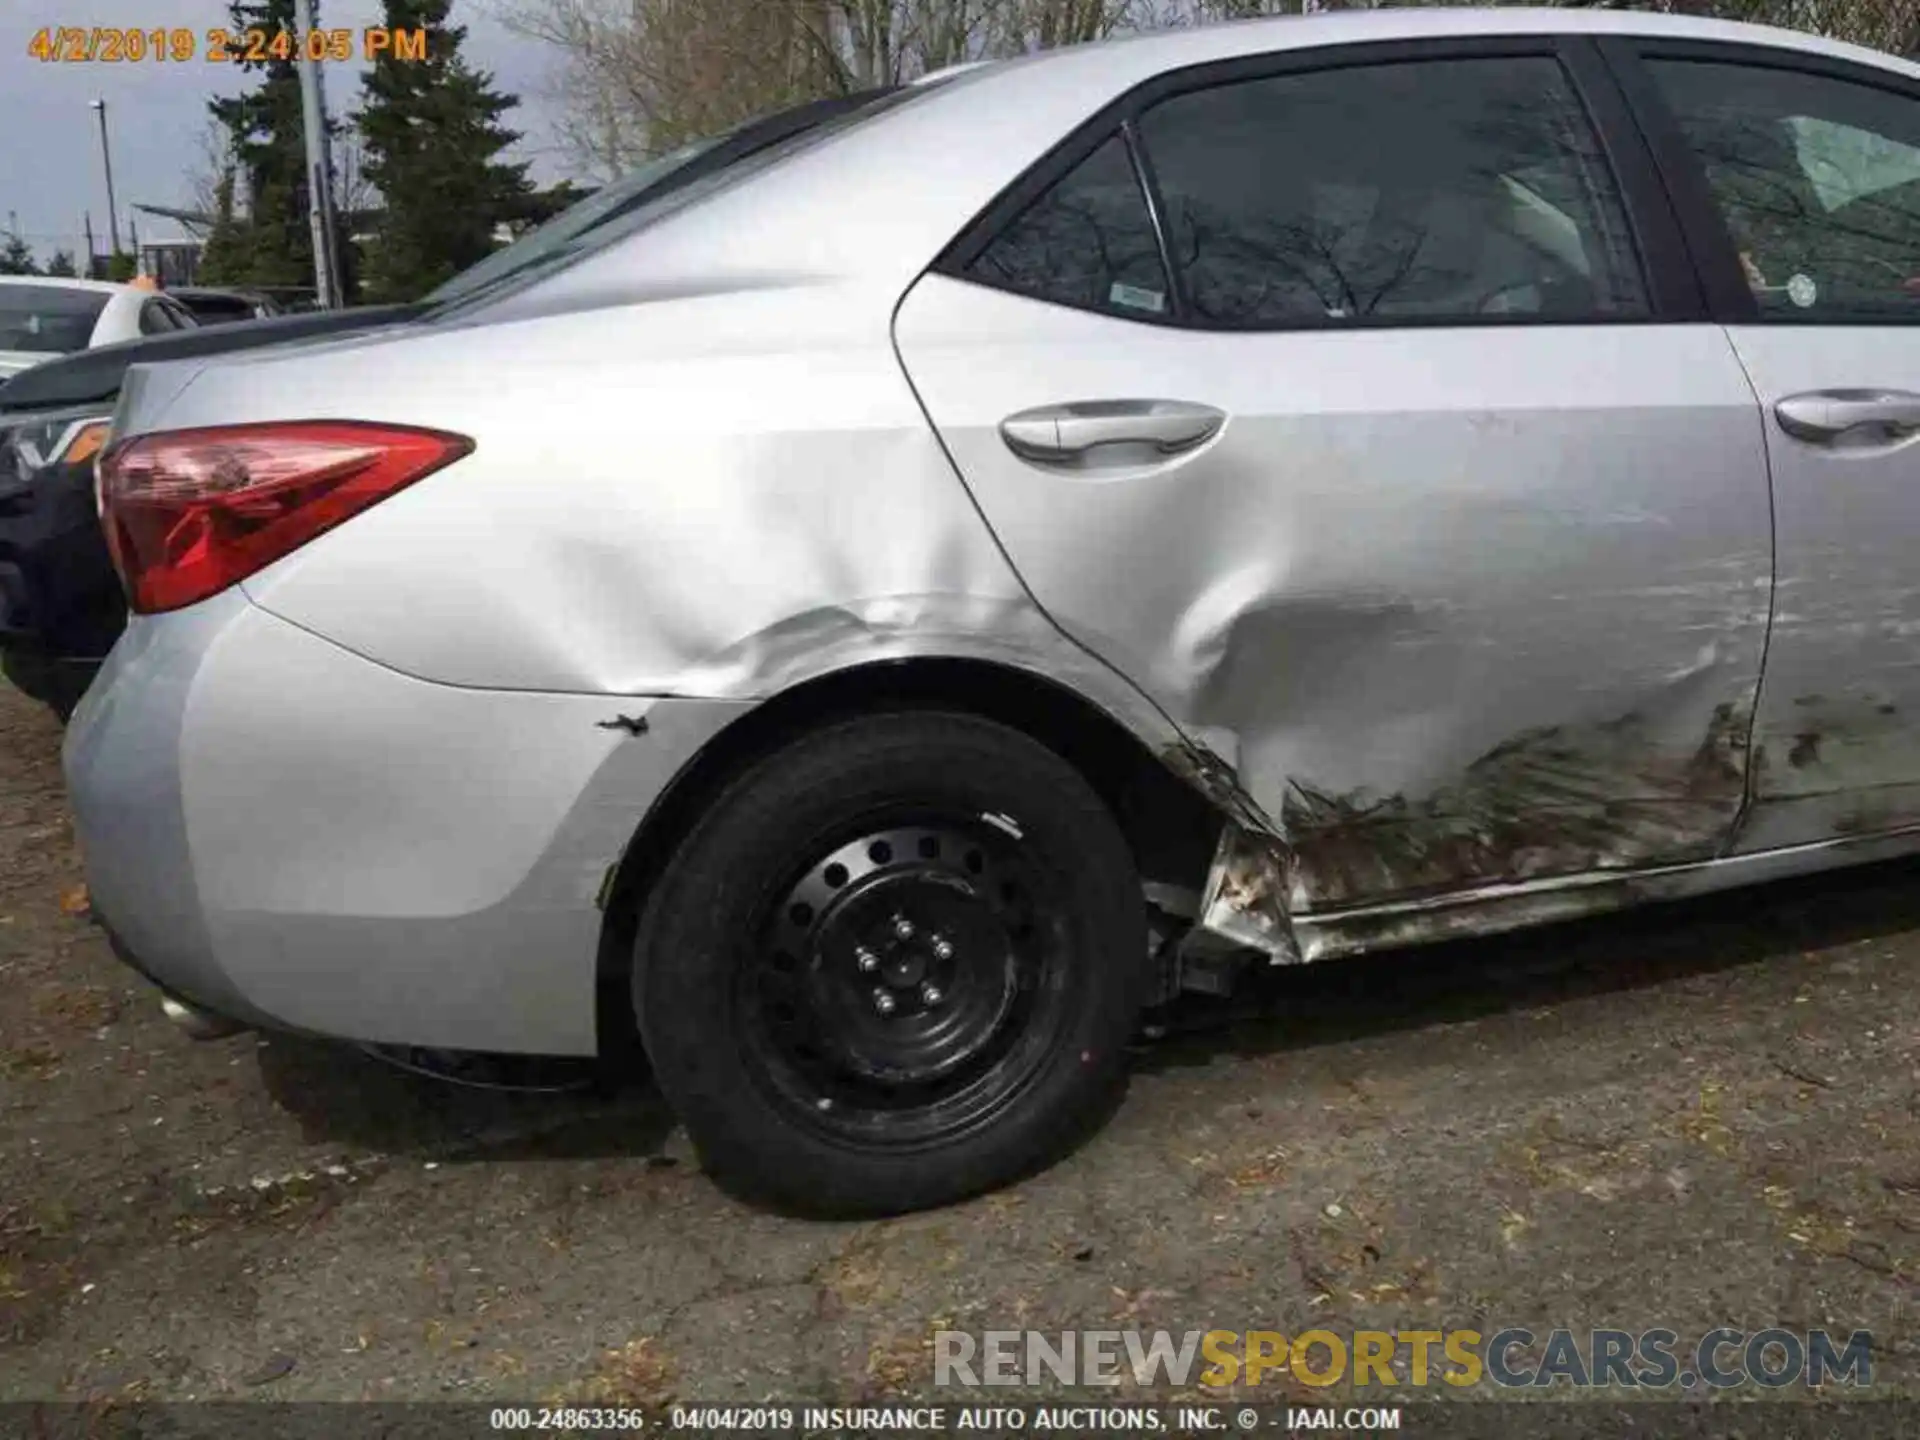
column 1469, row 915
column 1245, row 900
column 1560, row 800
column 1553, row 802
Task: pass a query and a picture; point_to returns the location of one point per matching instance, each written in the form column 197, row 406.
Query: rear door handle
column 1061, row 434
column 1824, row 415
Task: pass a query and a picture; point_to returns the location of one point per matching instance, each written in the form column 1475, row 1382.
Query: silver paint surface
column 1458, row 628
column 292, row 835
column 1838, row 727
column 1458, row 606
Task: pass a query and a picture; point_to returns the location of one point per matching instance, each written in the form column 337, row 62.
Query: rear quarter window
column 1088, row 242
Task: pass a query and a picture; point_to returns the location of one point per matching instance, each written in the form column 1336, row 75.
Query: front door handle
column 1061, row 434
column 1824, row 415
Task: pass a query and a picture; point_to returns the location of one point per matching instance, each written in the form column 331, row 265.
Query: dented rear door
column 1416, row 490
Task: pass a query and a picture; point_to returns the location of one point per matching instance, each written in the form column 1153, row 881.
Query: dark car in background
column 61, row 606
column 212, row 306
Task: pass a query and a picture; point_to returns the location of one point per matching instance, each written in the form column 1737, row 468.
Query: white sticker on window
column 1136, row 297
column 1802, row 291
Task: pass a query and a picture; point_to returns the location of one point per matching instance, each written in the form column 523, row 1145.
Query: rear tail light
column 190, row 512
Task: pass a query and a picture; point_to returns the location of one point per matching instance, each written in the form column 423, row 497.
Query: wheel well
column 1171, row 828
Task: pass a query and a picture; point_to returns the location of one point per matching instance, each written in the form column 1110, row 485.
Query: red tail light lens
column 190, row 512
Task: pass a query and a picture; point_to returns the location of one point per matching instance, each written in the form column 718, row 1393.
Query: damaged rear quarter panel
column 1444, row 624
column 757, row 514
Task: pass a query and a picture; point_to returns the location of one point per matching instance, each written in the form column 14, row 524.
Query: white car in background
column 43, row 317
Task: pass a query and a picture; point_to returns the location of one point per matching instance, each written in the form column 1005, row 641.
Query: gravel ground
column 1686, row 1117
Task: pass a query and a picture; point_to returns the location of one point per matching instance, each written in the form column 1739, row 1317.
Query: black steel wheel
column 896, row 963
column 905, row 979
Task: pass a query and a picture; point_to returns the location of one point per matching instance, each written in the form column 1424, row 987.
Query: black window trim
column 1730, row 301
column 1143, row 176
column 1674, row 290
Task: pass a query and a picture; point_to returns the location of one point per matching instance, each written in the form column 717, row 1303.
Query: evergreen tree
column 16, row 257
column 225, row 259
column 62, row 264
column 273, row 245
column 432, row 137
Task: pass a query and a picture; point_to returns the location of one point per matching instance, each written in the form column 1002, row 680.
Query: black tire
column 752, row 1011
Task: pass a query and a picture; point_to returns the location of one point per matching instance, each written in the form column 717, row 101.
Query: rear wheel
column 897, row 963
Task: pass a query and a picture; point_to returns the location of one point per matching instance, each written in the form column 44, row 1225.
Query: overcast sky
column 50, row 170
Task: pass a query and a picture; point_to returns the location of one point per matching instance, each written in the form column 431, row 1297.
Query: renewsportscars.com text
column 1512, row 1358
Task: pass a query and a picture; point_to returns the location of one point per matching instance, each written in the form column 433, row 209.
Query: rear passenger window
column 1430, row 190
column 1818, row 181
column 1087, row 242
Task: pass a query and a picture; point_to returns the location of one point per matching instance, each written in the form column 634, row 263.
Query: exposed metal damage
column 1558, row 800
column 1426, row 627
column 1531, row 828
column 1245, row 900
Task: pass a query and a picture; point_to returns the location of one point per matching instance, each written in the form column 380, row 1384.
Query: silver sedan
column 877, row 601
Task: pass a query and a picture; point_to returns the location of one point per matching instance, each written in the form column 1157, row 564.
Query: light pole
column 313, row 110
column 106, row 160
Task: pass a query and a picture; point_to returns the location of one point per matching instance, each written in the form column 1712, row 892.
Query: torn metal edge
column 1245, row 900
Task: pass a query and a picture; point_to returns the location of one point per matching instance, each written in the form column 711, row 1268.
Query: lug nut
column 942, row 949
column 930, row 994
column 869, row 962
column 902, row 927
column 884, row 1002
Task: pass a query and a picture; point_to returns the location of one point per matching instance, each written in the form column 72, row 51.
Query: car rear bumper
column 283, row 832
column 191, row 1015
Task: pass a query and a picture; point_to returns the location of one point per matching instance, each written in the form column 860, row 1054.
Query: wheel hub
column 905, row 968
column 899, row 955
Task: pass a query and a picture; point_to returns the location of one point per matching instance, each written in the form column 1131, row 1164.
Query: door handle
column 1060, row 434
column 1823, row 415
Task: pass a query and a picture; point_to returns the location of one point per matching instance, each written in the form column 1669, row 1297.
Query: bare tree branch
column 641, row 76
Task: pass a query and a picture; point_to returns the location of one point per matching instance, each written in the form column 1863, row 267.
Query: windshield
column 685, row 173
column 48, row 319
